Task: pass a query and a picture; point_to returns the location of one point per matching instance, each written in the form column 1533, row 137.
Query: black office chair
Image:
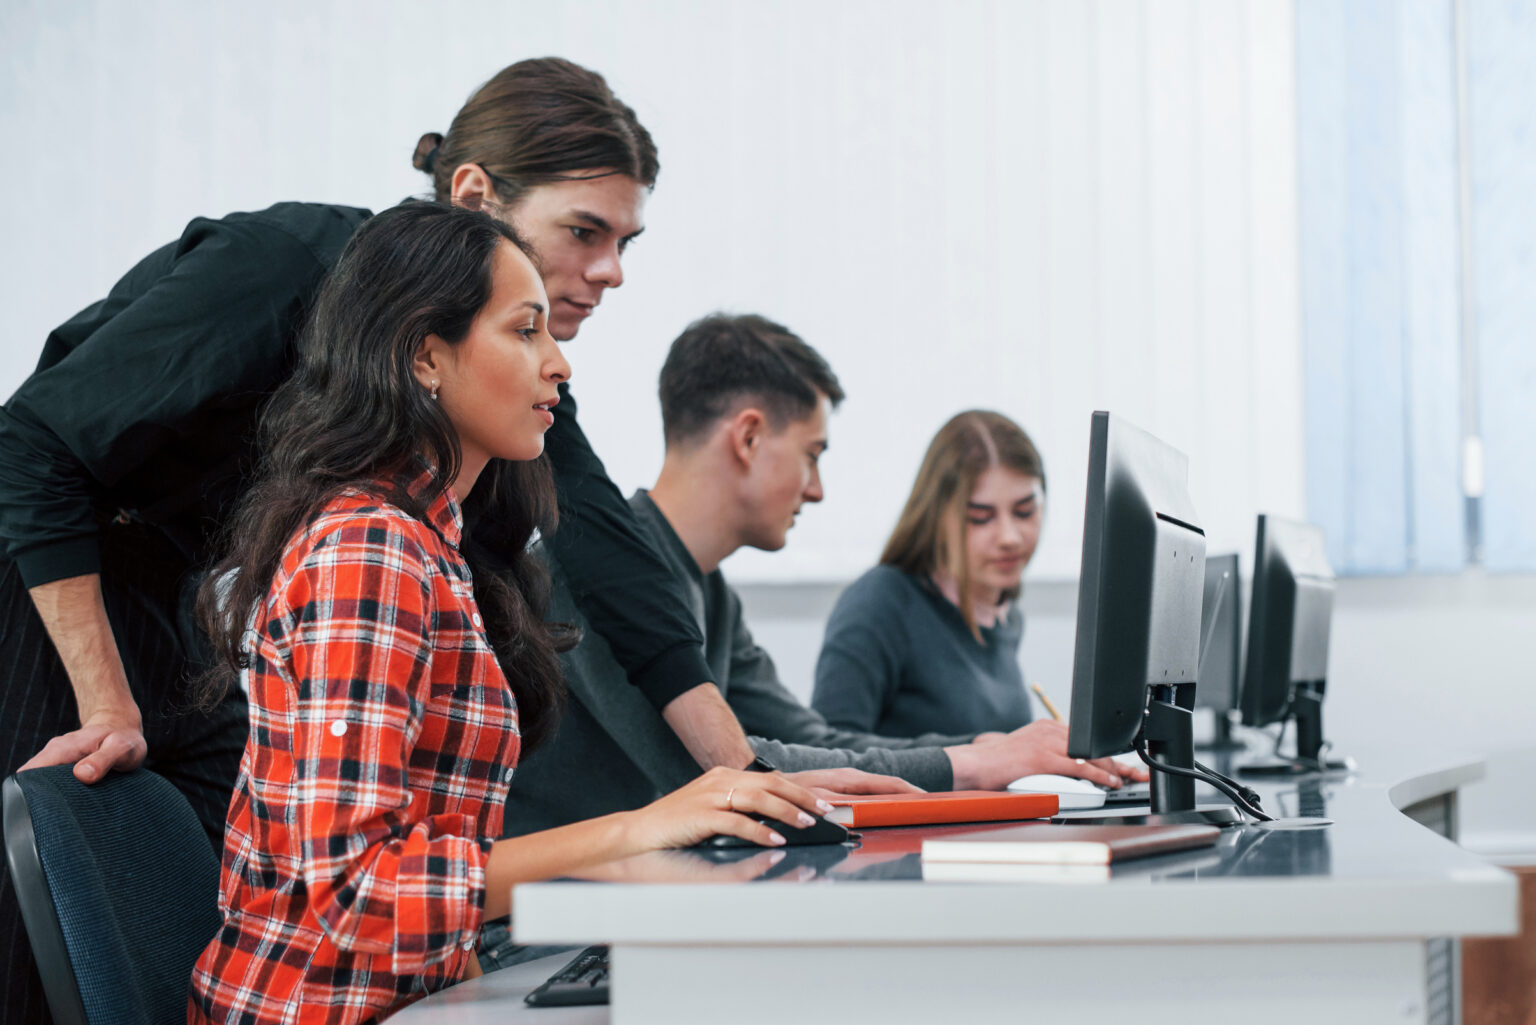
column 118, row 888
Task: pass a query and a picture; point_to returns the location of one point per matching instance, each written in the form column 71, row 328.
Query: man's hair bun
column 425, row 157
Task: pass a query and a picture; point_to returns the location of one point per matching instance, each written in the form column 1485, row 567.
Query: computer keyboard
column 583, row 981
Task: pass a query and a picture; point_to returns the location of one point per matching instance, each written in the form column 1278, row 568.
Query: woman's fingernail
column 825, row 807
column 806, row 819
column 775, row 839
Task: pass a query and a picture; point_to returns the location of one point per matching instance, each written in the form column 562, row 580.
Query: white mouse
column 1074, row 793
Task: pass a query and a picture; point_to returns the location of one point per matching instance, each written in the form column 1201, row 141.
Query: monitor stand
column 1308, row 710
column 1169, row 733
column 1222, row 739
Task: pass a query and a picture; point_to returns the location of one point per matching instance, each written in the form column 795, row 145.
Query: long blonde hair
column 930, row 535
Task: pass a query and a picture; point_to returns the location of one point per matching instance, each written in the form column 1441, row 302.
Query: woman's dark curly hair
column 353, row 415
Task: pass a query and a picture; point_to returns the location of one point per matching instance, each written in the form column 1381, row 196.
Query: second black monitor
column 1291, row 611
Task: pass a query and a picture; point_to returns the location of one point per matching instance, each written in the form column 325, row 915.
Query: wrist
column 627, row 833
column 964, row 765
column 760, row 764
column 117, row 712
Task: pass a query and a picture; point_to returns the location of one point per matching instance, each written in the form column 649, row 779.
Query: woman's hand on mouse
column 722, row 801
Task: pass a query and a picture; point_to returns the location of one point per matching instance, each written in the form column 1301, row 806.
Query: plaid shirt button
column 338, row 727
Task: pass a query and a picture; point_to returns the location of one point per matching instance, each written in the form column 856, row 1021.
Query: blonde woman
column 928, row 641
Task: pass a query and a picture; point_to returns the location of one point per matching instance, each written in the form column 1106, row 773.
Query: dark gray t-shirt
column 781, row 728
column 899, row 660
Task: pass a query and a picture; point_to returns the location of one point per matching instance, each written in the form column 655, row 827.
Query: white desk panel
column 1317, row 925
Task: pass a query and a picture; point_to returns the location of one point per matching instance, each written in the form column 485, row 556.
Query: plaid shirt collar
column 443, row 512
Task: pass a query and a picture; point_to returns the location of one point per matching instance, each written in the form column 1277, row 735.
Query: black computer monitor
column 1288, row 626
column 1221, row 641
column 1138, row 613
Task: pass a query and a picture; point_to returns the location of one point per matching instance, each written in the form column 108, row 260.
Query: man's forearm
column 708, row 728
column 75, row 616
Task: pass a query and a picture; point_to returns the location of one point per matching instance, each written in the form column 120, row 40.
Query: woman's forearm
column 553, row 852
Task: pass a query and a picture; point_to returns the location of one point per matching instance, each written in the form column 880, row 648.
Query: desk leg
column 1441, row 814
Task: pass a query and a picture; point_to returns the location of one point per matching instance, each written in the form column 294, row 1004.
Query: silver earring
column 434, row 391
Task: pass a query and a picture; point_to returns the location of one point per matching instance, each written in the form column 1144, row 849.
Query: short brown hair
column 537, row 121
column 927, row 537
column 721, row 358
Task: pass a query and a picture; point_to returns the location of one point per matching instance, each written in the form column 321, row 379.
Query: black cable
column 1204, row 777
column 1248, row 792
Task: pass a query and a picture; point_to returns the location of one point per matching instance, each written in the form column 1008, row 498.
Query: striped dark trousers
column 198, row 751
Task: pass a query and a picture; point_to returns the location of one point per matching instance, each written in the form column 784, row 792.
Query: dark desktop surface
column 1363, row 841
column 1253, row 852
column 1374, row 835
column 894, row 854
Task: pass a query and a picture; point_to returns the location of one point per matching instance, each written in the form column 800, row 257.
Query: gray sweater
column 614, row 752
column 898, row 659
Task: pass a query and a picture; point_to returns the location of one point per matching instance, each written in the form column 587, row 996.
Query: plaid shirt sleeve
column 360, row 617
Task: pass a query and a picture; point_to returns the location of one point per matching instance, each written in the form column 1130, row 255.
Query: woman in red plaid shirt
column 392, row 687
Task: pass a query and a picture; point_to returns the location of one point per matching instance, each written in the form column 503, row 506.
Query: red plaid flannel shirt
column 383, row 735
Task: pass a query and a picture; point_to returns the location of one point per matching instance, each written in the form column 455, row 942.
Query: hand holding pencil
column 1049, row 705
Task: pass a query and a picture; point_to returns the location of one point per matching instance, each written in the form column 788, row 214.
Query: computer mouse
column 822, row 832
column 1074, row 793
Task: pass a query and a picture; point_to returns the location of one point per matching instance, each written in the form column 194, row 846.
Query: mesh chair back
column 133, row 884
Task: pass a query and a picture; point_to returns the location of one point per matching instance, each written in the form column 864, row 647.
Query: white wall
column 1046, row 208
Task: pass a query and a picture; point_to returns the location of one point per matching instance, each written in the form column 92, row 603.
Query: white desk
column 497, row 998
column 1343, row 924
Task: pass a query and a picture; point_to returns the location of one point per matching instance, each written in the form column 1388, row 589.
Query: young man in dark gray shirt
column 745, row 405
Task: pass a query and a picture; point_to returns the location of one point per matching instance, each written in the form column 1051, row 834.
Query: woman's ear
column 472, row 187
column 427, row 364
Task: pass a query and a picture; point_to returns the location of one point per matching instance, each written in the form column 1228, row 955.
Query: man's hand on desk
column 1040, row 747
column 830, row 784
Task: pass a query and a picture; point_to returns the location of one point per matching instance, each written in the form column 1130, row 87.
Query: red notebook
column 1044, row 843
column 865, row 810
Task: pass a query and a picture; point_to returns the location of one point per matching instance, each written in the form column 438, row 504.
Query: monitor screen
column 1289, row 615
column 1221, row 627
column 1143, row 573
